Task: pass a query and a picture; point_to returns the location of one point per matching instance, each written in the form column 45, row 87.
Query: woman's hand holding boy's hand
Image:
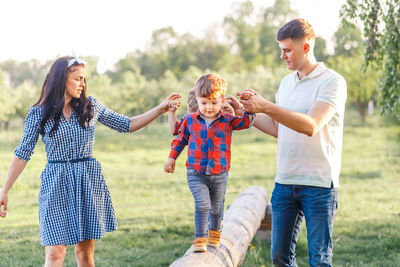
column 164, row 106
column 170, row 165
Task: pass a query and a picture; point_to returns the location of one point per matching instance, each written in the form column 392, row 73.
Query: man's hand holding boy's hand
column 252, row 101
column 170, row 165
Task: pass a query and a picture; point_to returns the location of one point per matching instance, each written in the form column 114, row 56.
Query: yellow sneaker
column 200, row 244
column 214, row 237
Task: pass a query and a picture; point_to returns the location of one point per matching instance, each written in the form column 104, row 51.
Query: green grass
column 155, row 209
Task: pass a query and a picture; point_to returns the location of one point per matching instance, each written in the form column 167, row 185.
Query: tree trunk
column 362, row 109
column 240, row 223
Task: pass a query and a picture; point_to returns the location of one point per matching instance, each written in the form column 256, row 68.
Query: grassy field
column 155, row 209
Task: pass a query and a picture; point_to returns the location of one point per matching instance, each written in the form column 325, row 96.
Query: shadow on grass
column 367, row 243
column 362, row 175
column 150, row 247
column 356, row 243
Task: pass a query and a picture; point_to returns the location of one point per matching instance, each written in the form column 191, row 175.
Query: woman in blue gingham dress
column 75, row 207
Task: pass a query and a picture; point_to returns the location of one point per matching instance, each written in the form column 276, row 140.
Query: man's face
column 292, row 52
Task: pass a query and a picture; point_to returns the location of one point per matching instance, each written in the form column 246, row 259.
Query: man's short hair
column 295, row 30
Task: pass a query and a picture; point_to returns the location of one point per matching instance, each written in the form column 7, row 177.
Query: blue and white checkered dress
column 74, row 201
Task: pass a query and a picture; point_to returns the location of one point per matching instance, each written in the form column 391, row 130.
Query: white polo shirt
column 316, row 160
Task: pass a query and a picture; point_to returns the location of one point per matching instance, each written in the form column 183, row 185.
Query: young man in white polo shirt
column 307, row 119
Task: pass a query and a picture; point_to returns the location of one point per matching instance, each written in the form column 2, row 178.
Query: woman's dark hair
column 52, row 96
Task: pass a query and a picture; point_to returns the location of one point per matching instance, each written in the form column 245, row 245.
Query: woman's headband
column 75, row 59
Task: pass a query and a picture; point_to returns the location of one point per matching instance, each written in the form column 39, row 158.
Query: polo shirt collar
column 317, row 71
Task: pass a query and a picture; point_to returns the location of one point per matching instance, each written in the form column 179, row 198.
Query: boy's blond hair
column 210, row 86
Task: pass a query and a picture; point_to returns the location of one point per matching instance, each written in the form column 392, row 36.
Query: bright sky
column 45, row 29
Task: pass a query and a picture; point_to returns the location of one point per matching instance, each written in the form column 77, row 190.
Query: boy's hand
column 227, row 108
column 170, row 165
column 173, row 106
column 235, row 104
column 164, row 105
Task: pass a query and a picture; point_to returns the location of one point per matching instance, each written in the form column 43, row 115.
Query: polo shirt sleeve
column 277, row 98
column 334, row 92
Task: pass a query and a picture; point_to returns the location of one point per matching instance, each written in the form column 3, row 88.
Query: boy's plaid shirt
column 209, row 150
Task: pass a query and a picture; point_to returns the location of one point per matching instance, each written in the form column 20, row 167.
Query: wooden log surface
column 240, row 223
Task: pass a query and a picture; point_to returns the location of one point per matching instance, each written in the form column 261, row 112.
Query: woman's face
column 75, row 82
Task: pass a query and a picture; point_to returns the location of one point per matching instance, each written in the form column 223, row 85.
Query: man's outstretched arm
column 309, row 124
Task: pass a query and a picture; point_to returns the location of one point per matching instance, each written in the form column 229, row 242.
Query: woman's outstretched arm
column 142, row 120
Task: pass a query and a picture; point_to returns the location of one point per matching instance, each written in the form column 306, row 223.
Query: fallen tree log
column 240, row 223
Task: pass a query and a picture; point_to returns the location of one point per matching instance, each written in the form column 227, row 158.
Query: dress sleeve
column 30, row 135
column 109, row 118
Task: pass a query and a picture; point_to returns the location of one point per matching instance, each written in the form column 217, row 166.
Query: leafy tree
column 348, row 41
column 169, row 51
column 320, row 49
column 361, row 86
column 7, row 101
column 272, row 18
column 19, row 72
column 243, row 36
column 381, row 31
column 25, row 95
column 91, row 67
column 128, row 63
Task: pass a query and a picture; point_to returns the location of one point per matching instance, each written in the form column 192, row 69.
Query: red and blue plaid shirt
column 209, row 150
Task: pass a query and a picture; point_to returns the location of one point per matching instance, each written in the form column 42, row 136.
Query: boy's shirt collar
column 200, row 115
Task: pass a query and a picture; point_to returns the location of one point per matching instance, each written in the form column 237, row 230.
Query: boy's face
column 209, row 107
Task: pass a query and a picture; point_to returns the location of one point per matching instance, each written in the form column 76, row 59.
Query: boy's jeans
column 290, row 203
column 208, row 192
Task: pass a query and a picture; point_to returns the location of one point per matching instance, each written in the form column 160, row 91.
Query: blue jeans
column 209, row 193
column 290, row 203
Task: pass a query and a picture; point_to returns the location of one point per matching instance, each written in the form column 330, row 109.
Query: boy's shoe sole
column 199, row 249
column 200, row 244
column 213, row 245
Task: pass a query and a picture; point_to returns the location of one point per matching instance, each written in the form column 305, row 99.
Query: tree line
column 246, row 55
